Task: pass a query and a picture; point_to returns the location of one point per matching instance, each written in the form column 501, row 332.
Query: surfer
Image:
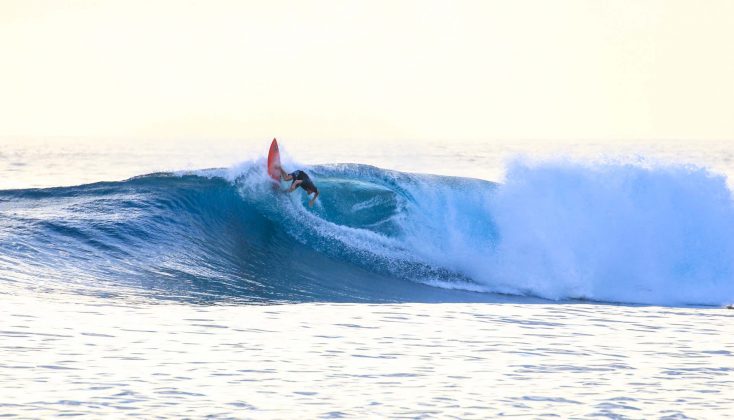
column 301, row 179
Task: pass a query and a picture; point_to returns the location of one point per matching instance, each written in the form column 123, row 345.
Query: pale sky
column 435, row 70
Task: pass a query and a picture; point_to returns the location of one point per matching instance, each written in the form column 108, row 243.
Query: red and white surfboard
column 274, row 161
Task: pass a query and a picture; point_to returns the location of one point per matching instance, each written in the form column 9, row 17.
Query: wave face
column 560, row 231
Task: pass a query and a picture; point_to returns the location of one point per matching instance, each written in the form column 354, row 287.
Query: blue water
column 138, row 283
column 558, row 230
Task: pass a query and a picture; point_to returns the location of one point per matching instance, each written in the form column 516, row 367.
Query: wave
column 556, row 230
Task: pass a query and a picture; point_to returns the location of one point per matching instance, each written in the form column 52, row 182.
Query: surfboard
column 274, row 161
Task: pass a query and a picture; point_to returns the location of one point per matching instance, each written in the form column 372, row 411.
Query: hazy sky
column 475, row 70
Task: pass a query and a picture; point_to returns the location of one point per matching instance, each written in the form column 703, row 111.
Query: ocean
column 431, row 279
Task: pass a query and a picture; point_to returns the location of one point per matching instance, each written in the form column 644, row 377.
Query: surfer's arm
column 285, row 175
column 294, row 185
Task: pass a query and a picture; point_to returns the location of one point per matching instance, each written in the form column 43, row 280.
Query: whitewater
column 572, row 285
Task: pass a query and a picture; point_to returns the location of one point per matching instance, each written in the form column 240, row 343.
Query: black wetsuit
column 306, row 182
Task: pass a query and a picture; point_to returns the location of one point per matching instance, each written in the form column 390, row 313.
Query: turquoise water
column 446, row 280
